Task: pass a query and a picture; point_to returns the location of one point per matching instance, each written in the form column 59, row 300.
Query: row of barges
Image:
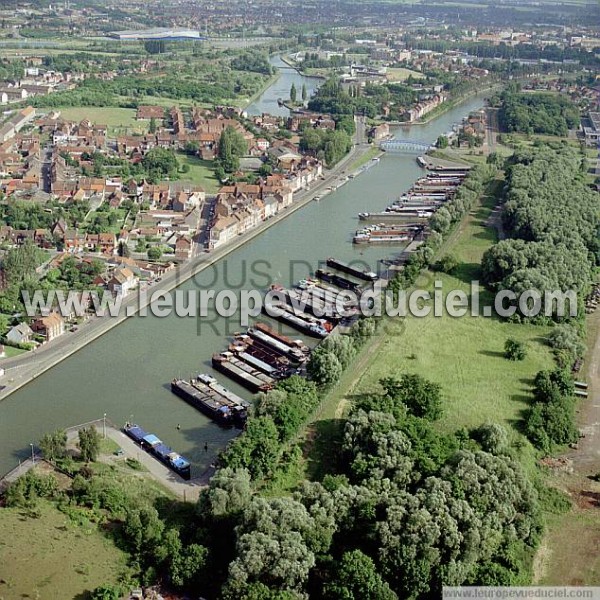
column 420, row 203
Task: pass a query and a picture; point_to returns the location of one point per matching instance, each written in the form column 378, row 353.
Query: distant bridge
column 394, row 145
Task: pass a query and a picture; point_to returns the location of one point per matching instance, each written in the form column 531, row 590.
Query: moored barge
column 339, row 265
column 242, row 373
column 211, row 399
column 154, row 446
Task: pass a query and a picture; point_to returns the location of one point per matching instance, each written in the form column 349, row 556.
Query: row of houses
column 16, row 123
column 424, row 107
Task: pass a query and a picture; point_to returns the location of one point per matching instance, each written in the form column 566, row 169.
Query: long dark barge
column 242, row 373
column 246, row 353
column 319, row 328
column 154, row 446
column 310, row 303
column 213, row 400
column 273, row 352
column 338, row 280
column 274, row 347
column 339, row 265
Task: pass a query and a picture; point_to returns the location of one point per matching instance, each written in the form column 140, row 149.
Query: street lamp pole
column 104, row 425
column 32, row 454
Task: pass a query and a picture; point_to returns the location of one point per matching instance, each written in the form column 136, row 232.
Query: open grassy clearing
column 115, row 118
column 363, row 160
column 400, row 74
column 570, row 551
column 201, row 172
column 10, row 351
column 52, row 558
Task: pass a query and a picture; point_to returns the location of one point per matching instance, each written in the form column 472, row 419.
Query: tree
column 342, row 346
column 423, row 398
column 565, row 341
column 304, row 93
column 324, row 367
column 188, row 564
column 20, row 263
column 107, row 592
column 293, row 93
column 492, row 437
column 154, row 253
column 514, row 350
column 54, row 445
column 89, row 443
column 229, row 492
column 256, row 449
column 442, row 142
column 232, row 146
column 4, row 324
column 356, row 578
column 152, row 126
column 446, row 264
column 123, row 250
column 143, row 529
column 271, row 546
column 160, row 162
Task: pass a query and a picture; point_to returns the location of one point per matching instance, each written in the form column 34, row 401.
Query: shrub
column 514, row 350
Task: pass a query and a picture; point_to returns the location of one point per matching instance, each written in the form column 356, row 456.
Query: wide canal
column 126, row 373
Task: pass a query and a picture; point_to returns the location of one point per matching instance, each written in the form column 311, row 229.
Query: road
column 22, row 369
column 492, row 128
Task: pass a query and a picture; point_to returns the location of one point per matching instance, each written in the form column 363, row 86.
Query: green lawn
column 118, row 120
column 400, row 74
column 52, row 558
column 11, row 351
column 201, row 172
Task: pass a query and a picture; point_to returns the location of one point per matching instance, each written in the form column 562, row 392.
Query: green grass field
column 201, row 172
column 120, row 120
column 10, row 351
column 363, row 160
column 400, row 74
column 51, row 558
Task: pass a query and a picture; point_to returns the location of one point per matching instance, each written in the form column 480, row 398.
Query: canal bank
column 24, row 368
column 126, row 372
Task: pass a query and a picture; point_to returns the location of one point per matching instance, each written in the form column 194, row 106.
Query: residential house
column 184, row 248
column 20, row 334
column 122, row 281
column 49, row 327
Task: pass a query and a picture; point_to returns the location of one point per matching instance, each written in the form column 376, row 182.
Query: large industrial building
column 159, row 33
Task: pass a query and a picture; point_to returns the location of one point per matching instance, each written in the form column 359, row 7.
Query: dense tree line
column 253, row 60
column 550, row 421
column 505, row 51
column 326, row 144
column 410, row 510
column 552, row 219
column 541, row 113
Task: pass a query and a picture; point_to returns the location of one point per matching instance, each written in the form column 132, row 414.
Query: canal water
column 267, row 102
column 126, row 373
